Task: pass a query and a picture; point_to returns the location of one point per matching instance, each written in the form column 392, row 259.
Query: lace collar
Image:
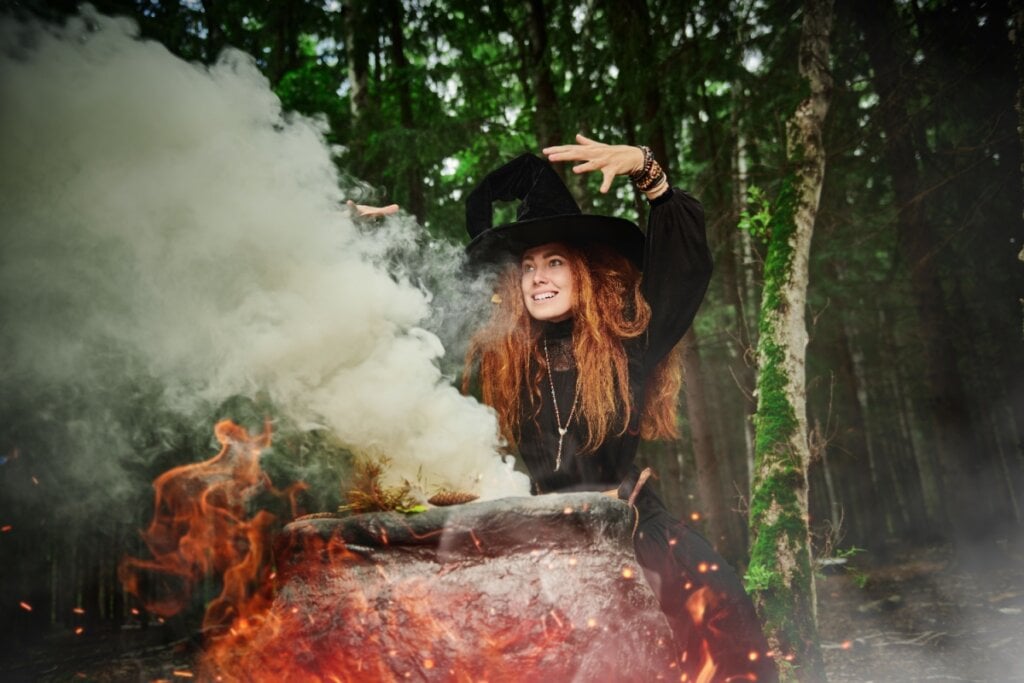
column 558, row 337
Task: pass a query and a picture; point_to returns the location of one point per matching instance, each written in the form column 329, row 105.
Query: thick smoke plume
column 165, row 224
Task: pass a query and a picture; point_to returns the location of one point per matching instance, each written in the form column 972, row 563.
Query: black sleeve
column 677, row 269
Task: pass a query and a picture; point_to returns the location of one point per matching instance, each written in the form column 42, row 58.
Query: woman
column 576, row 360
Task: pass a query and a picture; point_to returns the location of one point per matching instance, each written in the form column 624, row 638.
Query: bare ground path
column 920, row 617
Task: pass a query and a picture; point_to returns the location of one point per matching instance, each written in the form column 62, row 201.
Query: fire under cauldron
column 518, row 589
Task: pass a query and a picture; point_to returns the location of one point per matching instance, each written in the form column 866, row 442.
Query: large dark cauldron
column 519, row 589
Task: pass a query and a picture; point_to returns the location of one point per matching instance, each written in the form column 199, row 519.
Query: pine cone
column 446, row 497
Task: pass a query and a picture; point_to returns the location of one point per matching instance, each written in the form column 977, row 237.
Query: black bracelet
column 650, row 174
column 637, row 176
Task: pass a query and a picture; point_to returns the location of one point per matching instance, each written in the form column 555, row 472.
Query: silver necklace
column 554, row 400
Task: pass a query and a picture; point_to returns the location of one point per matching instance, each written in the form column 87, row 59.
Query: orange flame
column 200, row 527
column 697, row 605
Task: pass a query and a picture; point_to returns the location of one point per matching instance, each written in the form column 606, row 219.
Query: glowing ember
column 627, row 573
column 695, row 516
column 6, row 528
column 25, row 606
column 78, row 610
column 79, row 631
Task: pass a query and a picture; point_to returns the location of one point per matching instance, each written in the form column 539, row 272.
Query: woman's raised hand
column 611, row 160
column 366, row 211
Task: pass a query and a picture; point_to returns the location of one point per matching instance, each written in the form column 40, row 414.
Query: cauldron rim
column 557, row 518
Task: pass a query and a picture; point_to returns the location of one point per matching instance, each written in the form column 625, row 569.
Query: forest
column 861, row 168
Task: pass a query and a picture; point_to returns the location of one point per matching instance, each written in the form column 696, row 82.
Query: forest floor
column 921, row 616
column 917, row 616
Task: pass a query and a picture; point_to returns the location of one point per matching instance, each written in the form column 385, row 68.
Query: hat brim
column 509, row 241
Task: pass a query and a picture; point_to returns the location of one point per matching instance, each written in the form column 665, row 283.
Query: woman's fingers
column 611, row 160
column 373, row 211
column 584, row 150
column 366, row 211
column 586, row 167
column 567, row 153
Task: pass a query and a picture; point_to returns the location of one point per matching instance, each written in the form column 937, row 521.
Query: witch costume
column 676, row 265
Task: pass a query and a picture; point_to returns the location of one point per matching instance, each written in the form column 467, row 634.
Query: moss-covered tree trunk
column 780, row 576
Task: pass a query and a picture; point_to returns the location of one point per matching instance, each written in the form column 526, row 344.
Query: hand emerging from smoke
column 611, row 160
column 365, row 211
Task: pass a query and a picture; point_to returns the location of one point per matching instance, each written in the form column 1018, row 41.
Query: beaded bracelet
column 650, row 174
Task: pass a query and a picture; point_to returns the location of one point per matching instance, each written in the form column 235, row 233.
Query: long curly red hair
column 608, row 308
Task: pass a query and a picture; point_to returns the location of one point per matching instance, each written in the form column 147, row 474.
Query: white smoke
column 167, row 220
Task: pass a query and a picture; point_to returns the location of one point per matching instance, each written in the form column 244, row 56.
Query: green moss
column 780, row 253
column 775, row 420
column 781, row 599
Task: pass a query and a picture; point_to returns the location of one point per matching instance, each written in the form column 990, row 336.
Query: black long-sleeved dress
column 677, row 561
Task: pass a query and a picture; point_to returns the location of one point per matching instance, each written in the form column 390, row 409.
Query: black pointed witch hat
column 547, row 213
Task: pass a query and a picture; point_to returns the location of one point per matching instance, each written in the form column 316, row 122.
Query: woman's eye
column 528, row 268
column 555, row 262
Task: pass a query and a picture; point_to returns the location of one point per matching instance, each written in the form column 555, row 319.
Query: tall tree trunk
column 357, row 56
column 917, row 239
column 853, row 378
column 835, row 505
column 215, row 40
column 413, row 175
column 780, row 573
column 725, row 537
column 358, row 46
column 1017, row 38
column 745, row 303
column 284, row 48
column 538, row 60
column 913, row 446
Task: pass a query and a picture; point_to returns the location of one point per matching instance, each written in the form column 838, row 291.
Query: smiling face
column 547, row 282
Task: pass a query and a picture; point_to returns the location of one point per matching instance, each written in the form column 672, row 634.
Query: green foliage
column 760, row 578
column 847, row 553
column 756, row 218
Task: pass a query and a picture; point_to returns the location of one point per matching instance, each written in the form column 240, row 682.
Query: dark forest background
column 915, row 375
